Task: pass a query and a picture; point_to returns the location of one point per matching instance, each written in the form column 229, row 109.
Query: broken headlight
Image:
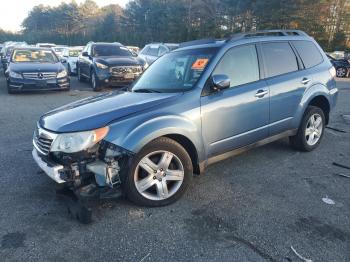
column 79, row 141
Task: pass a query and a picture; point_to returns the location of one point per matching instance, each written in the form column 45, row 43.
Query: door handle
column 305, row 81
column 261, row 93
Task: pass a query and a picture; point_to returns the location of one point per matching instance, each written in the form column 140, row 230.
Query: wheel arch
column 321, row 102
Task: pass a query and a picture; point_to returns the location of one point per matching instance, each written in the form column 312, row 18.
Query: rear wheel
column 160, row 173
column 311, row 130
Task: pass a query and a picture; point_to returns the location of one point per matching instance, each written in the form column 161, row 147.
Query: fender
column 134, row 137
column 309, row 94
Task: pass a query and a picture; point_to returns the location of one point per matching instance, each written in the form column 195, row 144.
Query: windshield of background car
column 74, row 53
column 33, row 56
column 178, row 71
column 110, row 50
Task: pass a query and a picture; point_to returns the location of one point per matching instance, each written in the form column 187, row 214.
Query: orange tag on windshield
column 200, row 64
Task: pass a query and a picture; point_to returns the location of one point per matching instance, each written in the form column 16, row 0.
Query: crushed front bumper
column 51, row 169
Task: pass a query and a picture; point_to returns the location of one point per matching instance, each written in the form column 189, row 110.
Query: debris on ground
column 145, row 257
column 341, row 165
column 342, row 175
column 328, row 201
column 136, row 214
column 336, row 129
column 300, row 256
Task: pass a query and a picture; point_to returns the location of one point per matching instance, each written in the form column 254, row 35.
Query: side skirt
column 241, row 150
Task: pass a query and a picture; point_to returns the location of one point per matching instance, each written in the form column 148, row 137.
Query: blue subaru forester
column 204, row 102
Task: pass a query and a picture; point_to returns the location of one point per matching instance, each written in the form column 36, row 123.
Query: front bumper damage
column 86, row 176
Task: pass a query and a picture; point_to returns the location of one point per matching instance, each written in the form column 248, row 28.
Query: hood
column 119, row 60
column 98, row 111
column 35, row 67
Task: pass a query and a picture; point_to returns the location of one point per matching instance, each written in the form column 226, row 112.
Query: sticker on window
column 200, row 63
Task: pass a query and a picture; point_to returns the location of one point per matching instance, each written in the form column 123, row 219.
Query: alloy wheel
column 341, row 72
column 159, row 175
column 313, row 129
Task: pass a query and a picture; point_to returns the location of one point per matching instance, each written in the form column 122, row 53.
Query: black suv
column 342, row 66
column 108, row 64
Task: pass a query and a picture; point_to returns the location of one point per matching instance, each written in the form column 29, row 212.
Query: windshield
column 34, row 56
column 74, row 53
column 110, row 50
column 175, row 72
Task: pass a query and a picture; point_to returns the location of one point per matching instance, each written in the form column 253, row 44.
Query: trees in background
column 144, row 21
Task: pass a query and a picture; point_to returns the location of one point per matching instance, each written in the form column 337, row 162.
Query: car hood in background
column 35, row 67
column 98, row 111
column 119, row 60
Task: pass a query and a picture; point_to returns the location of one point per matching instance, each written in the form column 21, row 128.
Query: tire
column 94, row 82
column 341, row 72
column 69, row 70
column 309, row 129
column 172, row 181
column 80, row 77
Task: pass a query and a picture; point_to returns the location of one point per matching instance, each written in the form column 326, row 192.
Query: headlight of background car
column 62, row 74
column 101, row 66
column 80, row 141
column 15, row 75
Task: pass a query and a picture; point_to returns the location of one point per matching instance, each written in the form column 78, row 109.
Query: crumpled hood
column 98, row 111
column 119, row 60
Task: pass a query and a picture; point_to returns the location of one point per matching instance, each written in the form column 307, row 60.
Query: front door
column 239, row 115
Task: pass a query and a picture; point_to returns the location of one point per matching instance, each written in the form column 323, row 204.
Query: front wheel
column 94, row 82
column 160, row 173
column 341, row 72
column 310, row 131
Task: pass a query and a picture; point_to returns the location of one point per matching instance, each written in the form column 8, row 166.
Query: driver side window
column 240, row 64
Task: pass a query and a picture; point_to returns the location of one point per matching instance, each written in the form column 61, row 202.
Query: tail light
column 333, row 72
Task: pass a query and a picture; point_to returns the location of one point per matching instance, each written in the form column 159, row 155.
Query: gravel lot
column 253, row 207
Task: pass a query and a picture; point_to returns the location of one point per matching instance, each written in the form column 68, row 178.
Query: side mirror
column 220, row 82
column 86, row 54
column 63, row 60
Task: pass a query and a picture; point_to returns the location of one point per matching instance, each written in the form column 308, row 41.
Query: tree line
column 144, row 21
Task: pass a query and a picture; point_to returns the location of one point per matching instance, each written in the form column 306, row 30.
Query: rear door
column 287, row 83
column 239, row 115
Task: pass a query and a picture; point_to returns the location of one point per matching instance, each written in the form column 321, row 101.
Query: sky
column 14, row 11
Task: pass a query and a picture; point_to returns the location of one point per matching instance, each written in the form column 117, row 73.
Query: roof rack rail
column 263, row 33
column 198, row 42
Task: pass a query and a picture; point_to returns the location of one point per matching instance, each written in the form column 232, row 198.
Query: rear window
column 308, row 52
column 279, row 59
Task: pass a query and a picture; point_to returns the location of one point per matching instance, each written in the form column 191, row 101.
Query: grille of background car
column 39, row 75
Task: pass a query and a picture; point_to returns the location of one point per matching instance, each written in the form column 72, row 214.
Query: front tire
column 159, row 174
column 94, row 82
column 311, row 130
column 341, row 72
column 80, row 77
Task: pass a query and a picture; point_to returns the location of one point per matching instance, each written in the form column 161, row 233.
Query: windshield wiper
column 146, row 90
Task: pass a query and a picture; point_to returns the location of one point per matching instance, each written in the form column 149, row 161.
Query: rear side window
column 240, row 64
column 153, row 51
column 279, row 59
column 308, row 52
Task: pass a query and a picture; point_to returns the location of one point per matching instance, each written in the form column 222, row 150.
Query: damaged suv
column 194, row 106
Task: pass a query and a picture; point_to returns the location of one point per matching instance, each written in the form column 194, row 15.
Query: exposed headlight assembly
column 15, row 75
column 79, row 141
column 62, row 74
column 101, row 66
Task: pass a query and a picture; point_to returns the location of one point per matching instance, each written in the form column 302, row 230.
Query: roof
column 264, row 35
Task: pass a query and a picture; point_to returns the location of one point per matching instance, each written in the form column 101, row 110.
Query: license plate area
column 41, row 83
